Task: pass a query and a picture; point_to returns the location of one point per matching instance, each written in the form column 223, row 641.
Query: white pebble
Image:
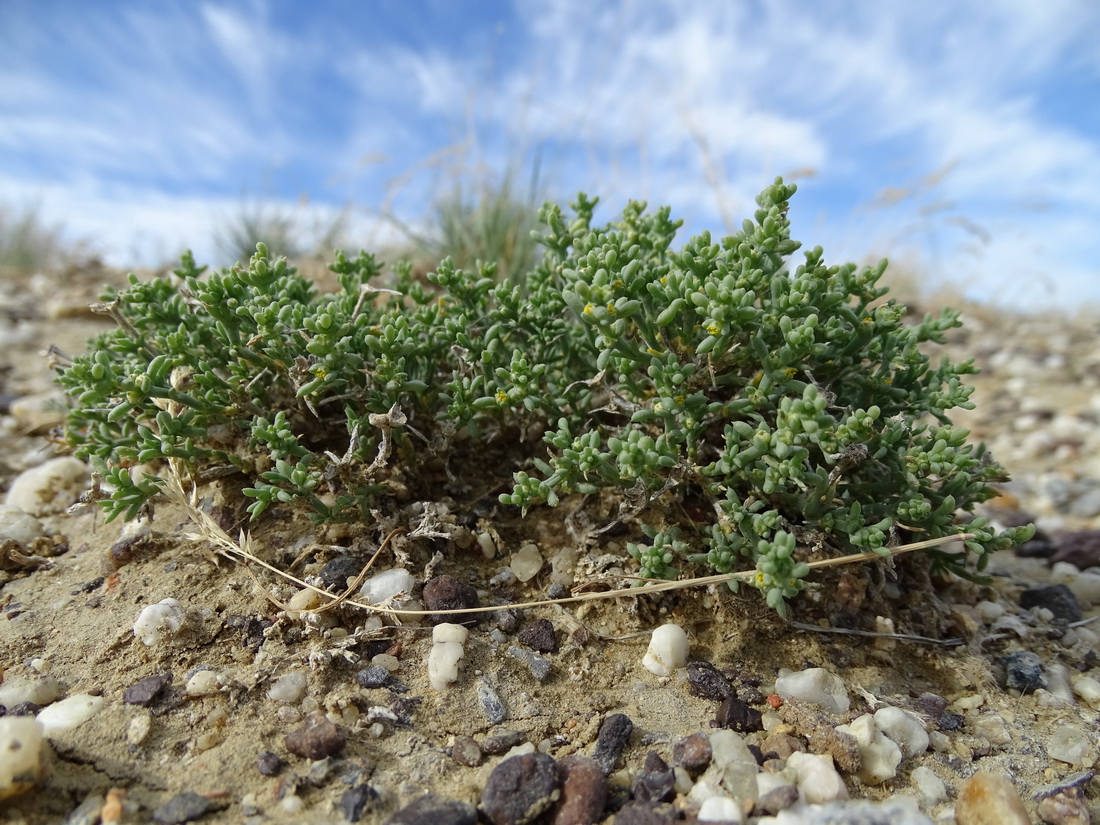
column 668, row 650
column 719, row 809
column 447, row 642
column 1089, row 690
column 1070, row 744
column 49, row 487
column 304, row 599
column 288, row 688
column 1085, row 584
column 931, row 788
column 16, row 690
column 389, row 584
column 879, row 757
column 904, row 729
column 203, row 683
column 22, row 755
column 15, row 525
column 139, row 728
column 157, row 621
column 990, row 611
column 390, row 663
column 487, row 545
column 70, row 713
column 526, row 562
column 815, row 685
column 733, row 765
column 818, row 780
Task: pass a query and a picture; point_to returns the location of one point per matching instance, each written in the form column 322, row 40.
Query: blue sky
column 959, row 138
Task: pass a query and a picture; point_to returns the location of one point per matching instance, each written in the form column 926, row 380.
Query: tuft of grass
column 28, row 243
column 294, row 233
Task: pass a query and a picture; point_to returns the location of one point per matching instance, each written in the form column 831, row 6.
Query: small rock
column 447, row 649
column 1070, row 744
column 501, row 742
column 1067, row 807
column 614, row 734
column 990, row 799
column 70, row 713
column 465, row 751
column 642, row 813
column 656, row 781
column 145, row 691
column 87, row 812
column 1081, row 548
column 521, row 788
column 184, row 807
column 736, row 715
column 583, row 791
column 893, row 811
column 719, row 809
column 49, row 487
column 387, row 586
column 203, row 683
column 779, row 745
column 316, row 738
column 931, row 788
column 1088, row 689
column 693, row 752
column 138, row 729
column 372, row 677
column 448, row 593
column 1057, row 598
column 17, row 526
column 817, row 686
column 540, row 636
column 269, row 764
column 775, row 800
column 157, row 622
column 539, row 666
column 17, row 690
column 903, row 729
column 358, row 800
column 434, row 810
column 733, row 765
column 708, row 682
column 1024, row 671
column 668, row 650
column 288, row 688
column 23, row 750
column 930, row 705
column 818, row 780
column 526, row 562
column 491, row 703
column 879, row 757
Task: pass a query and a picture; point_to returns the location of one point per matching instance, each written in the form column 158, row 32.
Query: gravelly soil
column 72, row 619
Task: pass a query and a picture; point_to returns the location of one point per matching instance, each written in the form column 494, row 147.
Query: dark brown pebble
column 434, row 810
column 707, row 682
column 336, row 572
column 316, row 738
column 776, row 800
column 521, row 788
column 466, row 751
column 448, row 593
column 643, row 813
column 952, row 721
column 931, row 705
column 145, row 691
column 540, row 636
column 184, row 807
column 269, row 764
column 613, row 736
column 1081, row 548
column 737, row 715
column 358, row 800
column 656, row 781
column 1057, row 598
column 583, row 791
column 501, row 742
column 693, row 752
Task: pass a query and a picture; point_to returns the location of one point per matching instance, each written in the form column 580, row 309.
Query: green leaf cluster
column 789, row 401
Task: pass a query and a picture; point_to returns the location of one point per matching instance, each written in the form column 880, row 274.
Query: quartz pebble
column 733, row 765
column 1066, row 807
column 288, row 688
column 49, row 487
column 668, row 649
column 447, row 649
column 719, row 809
column 22, row 755
column 17, row 690
column 931, row 788
column 1069, row 743
column 15, row 525
column 990, row 799
column 387, row 585
column 893, row 811
column 879, row 757
column 526, row 562
column 818, row 780
column 203, row 683
column 1088, row 689
column 815, row 685
column 70, row 713
column 904, row 729
column 155, row 623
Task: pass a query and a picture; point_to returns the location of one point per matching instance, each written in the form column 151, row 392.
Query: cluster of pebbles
column 143, row 683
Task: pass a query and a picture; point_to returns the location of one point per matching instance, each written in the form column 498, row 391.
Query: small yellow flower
column 502, row 396
column 588, row 309
column 713, row 329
